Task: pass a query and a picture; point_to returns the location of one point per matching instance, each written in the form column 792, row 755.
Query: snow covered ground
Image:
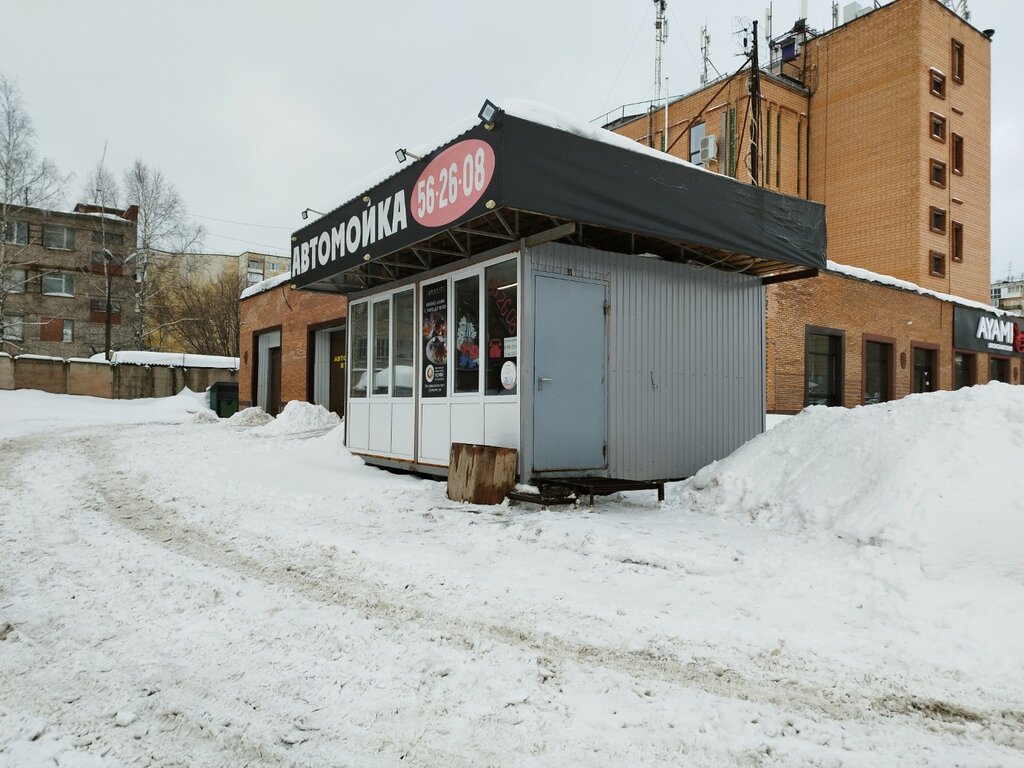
column 845, row 590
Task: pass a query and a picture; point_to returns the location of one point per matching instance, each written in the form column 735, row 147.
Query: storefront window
column 824, row 369
column 467, row 334
column 435, row 339
column 402, row 346
column 381, row 338
column 963, row 370
column 999, row 369
column 357, row 319
column 502, row 348
column 877, row 372
column 925, row 378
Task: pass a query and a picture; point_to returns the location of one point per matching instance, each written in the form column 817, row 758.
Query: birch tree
column 25, row 180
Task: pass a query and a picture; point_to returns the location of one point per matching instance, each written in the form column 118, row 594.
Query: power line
column 249, row 242
column 240, row 223
column 643, row 21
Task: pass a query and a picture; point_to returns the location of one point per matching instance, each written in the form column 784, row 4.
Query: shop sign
column 435, row 339
column 452, row 185
column 987, row 332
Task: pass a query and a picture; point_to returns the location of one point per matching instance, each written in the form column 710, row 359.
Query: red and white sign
column 453, row 183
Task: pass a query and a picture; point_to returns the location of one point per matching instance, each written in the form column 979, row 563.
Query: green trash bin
column 224, row 398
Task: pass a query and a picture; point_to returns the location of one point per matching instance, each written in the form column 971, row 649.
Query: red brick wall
column 294, row 311
column 858, row 308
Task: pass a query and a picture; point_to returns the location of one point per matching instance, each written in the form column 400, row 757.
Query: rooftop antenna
column 705, row 48
column 660, row 36
column 768, row 24
column 835, row 13
column 959, row 7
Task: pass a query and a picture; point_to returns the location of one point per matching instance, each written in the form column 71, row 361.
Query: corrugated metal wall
column 685, row 359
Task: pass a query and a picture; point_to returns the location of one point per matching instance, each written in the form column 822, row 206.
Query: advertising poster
column 435, row 340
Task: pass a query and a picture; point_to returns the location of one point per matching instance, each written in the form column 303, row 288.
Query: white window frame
column 68, row 237
column 20, row 232
column 64, row 277
column 16, row 279
column 68, row 331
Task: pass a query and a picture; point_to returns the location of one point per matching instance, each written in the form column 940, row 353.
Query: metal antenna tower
column 959, row 7
column 705, row 48
column 660, row 36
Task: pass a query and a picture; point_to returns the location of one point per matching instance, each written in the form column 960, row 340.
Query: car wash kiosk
column 540, row 284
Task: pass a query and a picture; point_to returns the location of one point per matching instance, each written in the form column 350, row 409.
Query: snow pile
column 299, row 417
column 266, row 285
column 931, row 473
column 249, row 417
column 174, row 359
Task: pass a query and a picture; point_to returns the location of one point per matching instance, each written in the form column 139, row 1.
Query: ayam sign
column 987, row 332
column 445, row 188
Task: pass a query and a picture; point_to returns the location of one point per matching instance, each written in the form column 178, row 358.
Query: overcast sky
column 258, row 109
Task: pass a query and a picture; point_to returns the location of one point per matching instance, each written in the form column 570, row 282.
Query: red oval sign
column 453, row 183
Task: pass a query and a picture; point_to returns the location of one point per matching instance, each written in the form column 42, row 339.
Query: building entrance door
column 570, row 354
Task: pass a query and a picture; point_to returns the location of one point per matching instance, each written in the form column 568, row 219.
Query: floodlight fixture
column 488, row 114
column 402, row 154
column 305, row 213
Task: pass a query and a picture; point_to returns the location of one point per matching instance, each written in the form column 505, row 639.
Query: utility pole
column 755, row 107
column 107, row 258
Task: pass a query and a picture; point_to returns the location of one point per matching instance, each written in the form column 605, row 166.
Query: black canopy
column 489, row 187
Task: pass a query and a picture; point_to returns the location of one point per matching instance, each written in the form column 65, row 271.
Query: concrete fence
column 101, row 379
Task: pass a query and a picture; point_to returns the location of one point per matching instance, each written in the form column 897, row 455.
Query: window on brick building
column 938, row 173
column 999, row 369
column 58, row 237
column 15, row 232
column 937, row 83
column 937, row 220
column 958, row 61
column 957, row 153
column 965, row 367
column 957, row 242
column 697, row 133
column 937, row 264
column 14, row 280
column 108, row 238
column 100, row 305
column 58, row 284
column 68, row 331
column 878, row 366
column 926, row 377
column 14, row 327
column 823, row 366
column 937, row 125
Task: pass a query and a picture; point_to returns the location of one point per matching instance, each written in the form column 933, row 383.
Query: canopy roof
column 523, row 176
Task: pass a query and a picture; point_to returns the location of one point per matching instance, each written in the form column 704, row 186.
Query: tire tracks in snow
column 322, row 583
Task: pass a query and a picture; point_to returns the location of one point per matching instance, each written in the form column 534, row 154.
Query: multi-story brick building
column 55, row 269
column 886, row 120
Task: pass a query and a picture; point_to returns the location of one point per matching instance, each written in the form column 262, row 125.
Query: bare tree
column 199, row 312
column 164, row 234
column 25, row 180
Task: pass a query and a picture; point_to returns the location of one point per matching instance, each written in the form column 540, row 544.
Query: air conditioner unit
column 709, row 148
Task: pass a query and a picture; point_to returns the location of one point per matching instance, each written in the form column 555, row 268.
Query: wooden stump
column 481, row 474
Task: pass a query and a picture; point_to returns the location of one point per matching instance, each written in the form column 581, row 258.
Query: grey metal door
column 569, row 365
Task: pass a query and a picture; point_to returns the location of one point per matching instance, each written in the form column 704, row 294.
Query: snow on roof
column 526, row 110
column 266, row 285
column 906, row 285
column 172, row 359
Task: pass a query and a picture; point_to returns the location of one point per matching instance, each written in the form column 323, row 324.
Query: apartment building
column 56, row 268
column 1008, row 294
column 886, row 120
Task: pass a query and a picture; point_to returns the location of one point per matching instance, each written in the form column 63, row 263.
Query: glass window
column 58, row 237
column 963, row 370
column 999, row 369
column 502, row 328
column 957, row 153
column 925, row 375
column 696, row 137
column 69, row 331
column 937, row 263
column 824, row 369
column 958, row 61
column 59, row 284
column 958, row 241
column 381, row 346
column 938, row 173
column 937, row 220
column 13, row 328
column 467, row 334
column 100, row 305
column 877, row 372
column 15, row 232
column 937, row 83
column 14, row 280
column 108, row 238
column 938, row 127
column 402, row 345
column 357, row 368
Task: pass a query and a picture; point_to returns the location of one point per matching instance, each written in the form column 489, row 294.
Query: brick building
column 54, row 270
column 886, row 120
column 301, row 338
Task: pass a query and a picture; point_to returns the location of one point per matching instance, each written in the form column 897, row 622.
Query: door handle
column 540, row 382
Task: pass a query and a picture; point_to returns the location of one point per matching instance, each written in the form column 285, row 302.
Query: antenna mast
column 705, row 48
column 660, row 36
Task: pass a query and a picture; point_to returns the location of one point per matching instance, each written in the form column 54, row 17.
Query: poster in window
column 502, row 328
column 435, row 340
